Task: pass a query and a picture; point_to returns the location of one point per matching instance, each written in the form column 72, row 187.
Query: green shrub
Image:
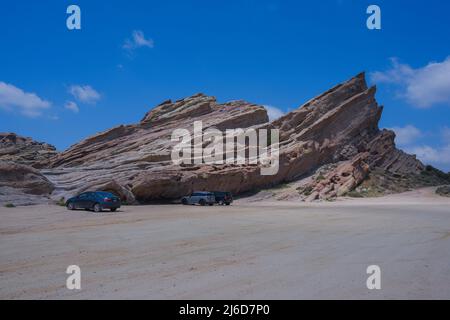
column 308, row 190
column 9, row 205
column 432, row 171
column 443, row 191
column 61, row 202
column 354, row 194
column 281, row 186
column 320, row 177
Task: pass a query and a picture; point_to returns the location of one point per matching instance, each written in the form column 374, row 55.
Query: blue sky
column 131, row 55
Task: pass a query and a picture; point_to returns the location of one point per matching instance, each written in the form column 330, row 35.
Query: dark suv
column 223, row 197
column 199, row 197
column 96, row 201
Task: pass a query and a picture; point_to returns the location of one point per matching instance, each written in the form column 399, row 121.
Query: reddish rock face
column 339, row 126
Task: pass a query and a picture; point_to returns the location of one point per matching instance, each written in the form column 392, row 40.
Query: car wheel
column 184, row 201
column 70, row 206
column 227, row 203
column 113, row 209
column 202, row 202
column 211, row 204
column 97, row 208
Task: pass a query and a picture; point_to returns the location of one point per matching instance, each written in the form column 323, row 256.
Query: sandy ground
column 260, row 250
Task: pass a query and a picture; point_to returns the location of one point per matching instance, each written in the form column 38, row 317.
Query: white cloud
column 406, row 135
column 137, row 40
column 397, row 74
column 72, row 106
column 422, row 87
column 445, row 133
column 439, row 157
column 273, row 112
column 28, row 104
column 84, row 93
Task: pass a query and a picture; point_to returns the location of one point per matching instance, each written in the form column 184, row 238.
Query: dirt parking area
column 259, row 250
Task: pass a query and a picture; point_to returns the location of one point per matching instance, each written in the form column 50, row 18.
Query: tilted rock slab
column 24, row 179
column 21, row 181
column 26, row 151
column 339, row 126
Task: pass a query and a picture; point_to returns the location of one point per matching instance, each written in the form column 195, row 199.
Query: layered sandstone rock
column 331, row 144
column 21, row 182
column 26, row 151
column 135, row 160
column 338, row 182
column 24, row 179
column 339, row 126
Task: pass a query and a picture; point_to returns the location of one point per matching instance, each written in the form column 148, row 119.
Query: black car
column 223, row 197
column 96, row 201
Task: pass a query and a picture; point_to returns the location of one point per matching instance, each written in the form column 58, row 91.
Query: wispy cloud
column 16, row 99
column 136, row 41
column 406, row 135
column 437, row 156
column 273, row 112
column 408, row 138
column 422, row 87
column 84, row 93
column 445, row 133
column 72, row 106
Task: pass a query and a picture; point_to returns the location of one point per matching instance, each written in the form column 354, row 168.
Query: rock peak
column 195, row 105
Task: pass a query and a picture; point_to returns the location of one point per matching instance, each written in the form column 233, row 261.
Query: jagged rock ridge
column 340, row 125
column 338, row 130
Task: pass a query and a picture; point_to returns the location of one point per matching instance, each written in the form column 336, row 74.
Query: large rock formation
column 22, row 185
column 331, row 144
column 20, row 180
column 135, row 160
column 339, row 126
column 26, row 151
column 24, row 178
